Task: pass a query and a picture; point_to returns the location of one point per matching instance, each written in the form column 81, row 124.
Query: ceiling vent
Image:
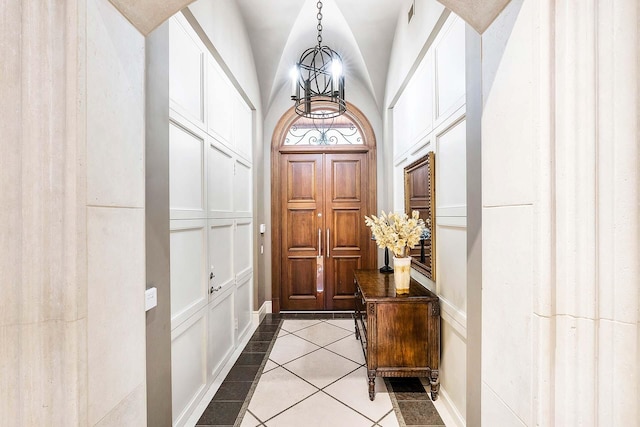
column 412, row 11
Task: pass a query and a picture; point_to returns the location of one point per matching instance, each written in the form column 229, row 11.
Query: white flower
column 397, row 232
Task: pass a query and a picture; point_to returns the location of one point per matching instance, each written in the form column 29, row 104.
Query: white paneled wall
column 450, row 69
column 220, row 331
column 219, row 115
column 451, row 194
column 220, row 195
column 186, row 73
column 242, row 127
column 188, row 270
column 242, row 187
column 211, row 217
column 186, row 173
column 243, row 302
column 414, row 112
column 221, row 243
column 430, row 116
column 188, row 362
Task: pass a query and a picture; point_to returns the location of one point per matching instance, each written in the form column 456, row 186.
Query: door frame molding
column 277, row 148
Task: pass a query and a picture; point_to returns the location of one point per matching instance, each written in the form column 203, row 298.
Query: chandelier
column 318, row 79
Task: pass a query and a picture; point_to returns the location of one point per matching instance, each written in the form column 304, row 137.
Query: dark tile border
column 220, row 413
column 409, row 399
column 229, row 404
column 412, row 404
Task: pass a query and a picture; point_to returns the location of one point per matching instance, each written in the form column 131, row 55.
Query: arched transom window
column 336, row 131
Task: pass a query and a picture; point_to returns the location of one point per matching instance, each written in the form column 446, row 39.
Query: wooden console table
column 400, row 334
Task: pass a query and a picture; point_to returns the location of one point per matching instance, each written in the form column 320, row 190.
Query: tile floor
column 310, row 372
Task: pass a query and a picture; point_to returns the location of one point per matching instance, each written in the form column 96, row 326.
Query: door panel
column 345, row 178
column 302, row 273
column 302, row 236
column 323, row 233
column 343, row 280
column 302, row 176
column 300, row 285
column 345, row 229
column 346, row 182
column 300, row 244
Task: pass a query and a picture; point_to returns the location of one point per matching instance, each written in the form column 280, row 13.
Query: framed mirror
column 420, row 195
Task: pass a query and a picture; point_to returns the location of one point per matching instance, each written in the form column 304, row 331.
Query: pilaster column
column 43, row 308
column 596, row 213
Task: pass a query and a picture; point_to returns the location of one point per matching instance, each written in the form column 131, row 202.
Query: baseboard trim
column 447, row 410
column 212, row 388
column 261, row 313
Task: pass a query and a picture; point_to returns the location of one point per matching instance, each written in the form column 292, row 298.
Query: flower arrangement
column 396, row 231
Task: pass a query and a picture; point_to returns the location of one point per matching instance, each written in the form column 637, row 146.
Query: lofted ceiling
column 362, row 32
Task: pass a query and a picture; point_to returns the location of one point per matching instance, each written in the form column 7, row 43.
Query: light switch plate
column 150, row 298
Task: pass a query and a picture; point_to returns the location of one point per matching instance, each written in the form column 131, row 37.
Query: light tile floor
column 315, row 376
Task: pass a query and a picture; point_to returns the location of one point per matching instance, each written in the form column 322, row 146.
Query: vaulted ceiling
column 361, row 31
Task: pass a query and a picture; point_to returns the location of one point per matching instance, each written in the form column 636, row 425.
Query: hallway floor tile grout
column 313, row 376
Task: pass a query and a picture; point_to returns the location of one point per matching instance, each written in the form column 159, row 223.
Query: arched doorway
column 323, row 182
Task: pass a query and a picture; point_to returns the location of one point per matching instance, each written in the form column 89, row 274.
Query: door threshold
column 313, row 315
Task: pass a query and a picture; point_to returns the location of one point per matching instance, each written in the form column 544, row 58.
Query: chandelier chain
column 317, row 80
column 319, row 16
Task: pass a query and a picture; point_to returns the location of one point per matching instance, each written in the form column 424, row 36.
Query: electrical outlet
column 150, row 298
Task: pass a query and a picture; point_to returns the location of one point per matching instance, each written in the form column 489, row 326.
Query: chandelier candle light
column 318, row 77
column 398, row 233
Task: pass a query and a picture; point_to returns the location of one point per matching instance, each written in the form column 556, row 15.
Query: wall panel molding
column 454, row 317
column 440, row 128
column 220, row 178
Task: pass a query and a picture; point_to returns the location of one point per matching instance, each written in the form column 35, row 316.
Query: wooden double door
column 324, row 197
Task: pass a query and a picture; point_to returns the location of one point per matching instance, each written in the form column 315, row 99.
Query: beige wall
column 473, row 61
column 43, row 275
column 560, row 215
column 157, row 226
column 72, row 350
column 115, row 218
column 508, row 146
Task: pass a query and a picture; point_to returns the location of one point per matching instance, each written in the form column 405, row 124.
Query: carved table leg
column 372, row 385
column 357, row 332
column 435, row 384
